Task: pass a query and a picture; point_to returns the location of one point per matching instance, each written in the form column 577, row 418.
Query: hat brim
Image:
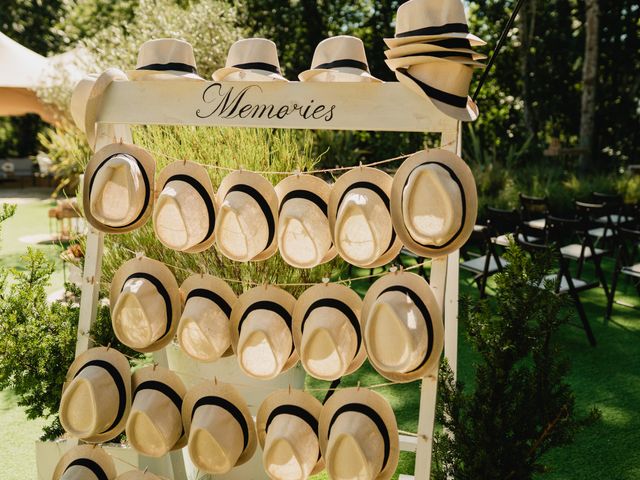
column 121, row 364
column 406, row 62
column 213, row 284
column 378, row 404
column 165, row 377
column 163, row 75
column 469, row 113
column 147, row 166
column 332, row 291
column 265, row 190
column 248, row 75
column 160, row 271
column 257, row 294
column 229, row 393
column 94, row 453
column 397, row 42
column 341, row 76
column 297, row 398
column 363, row 175
column 423, row 291
column 93, row 102
column 313, row 185
column 198, row 173
column 418, row 48
column 461, row 174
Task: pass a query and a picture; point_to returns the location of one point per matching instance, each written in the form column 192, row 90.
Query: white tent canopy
column 19, row 66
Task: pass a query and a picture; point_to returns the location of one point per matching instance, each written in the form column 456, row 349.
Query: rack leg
column 90, row 288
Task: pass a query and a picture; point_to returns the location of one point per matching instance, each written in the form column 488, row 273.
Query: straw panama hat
column 360, row 218
column 445, row 84
column 145, row 304
column 247, row 217
column 339, row 59
column 96, row 396
column 420, row 20
column 220, row 427
column 184, row 215
column 261, row 332
column 154, row 427
column 204, row 332
column 85, row 461
column 358, row 435
column 287, row 424
column 139, row 475
column 118, row 187
column 436, row 47
column 165, row 59
column 403, row 328
column 304, row 234
column 434, row 203
column 407, row 62
column 327, row 332
column 251, row 60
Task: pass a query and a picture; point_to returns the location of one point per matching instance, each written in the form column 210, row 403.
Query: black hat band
column 212, row 296
column 436, row 94
column 340, row 306
column 272, row 307
column 229, row 407
column 90, row 465
column 264, row 206
column 161, row 290
column 267, row 67
column 435, row 30
column 171, row 66
column 348, row 62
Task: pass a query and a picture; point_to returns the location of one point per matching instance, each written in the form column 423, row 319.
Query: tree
column 589, row 81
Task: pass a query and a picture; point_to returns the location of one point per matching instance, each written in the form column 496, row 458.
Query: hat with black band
column 154, row 427
column 434, row 202
column 216, row 414
column 117, row 193
column 359, row 215
column 85, row 461
column 358, row 433
column 204, row 332
column 339, row 59
column 421, row 58
column 184, row 216
column 96, row 396
column 403, row 327
column 287, row 424
column 261, row 332
column 165, row 59
column 327, row 331
column 304, row 234
column 139, row 475
column 251, row 60
column 422, row 20
column 247, row 217
column 446, row 46
column 145, row 304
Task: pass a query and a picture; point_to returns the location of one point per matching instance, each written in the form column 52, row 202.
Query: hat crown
column 216, row 439
column 243, row 229
column 449, row 77
column 253, row 51
column 204, row 329
column 329, row 344
column 264, row 344
column 355, row 449
column 342, row 47
column 291, row 448
column 418, row 14
column 304, row 235
column 164, row 51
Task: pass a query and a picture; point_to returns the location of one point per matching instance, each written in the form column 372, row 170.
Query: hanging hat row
column 329, row 329
column 355, row 429
column 429, row 206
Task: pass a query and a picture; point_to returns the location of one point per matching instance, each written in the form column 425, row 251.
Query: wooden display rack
column 323, row 106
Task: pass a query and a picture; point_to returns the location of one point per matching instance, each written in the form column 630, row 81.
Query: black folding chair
column 565, row 284
column 589, row 213
column 502, row 223
column 629, row 241
column 614, row 204
column 486, row 264
column 533, row 210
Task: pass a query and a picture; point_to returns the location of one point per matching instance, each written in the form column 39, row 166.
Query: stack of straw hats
column 432, row 54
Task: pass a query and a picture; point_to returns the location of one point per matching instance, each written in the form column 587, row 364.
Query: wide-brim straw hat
column 426, row 57
column 327, row 331
column 339, row 59
column 225, row 426
column 156, row 303
column 434, row 203
column 358, row 431
column 85, row 461
column 436, row 47
column 139, row 475
column 204, row 333
column 421, row 20
column 96, row 396
column 125, row 175
column 403, row 327
column 247, row 217
column 251, row 60
column 359, row 215
column 304, row 233
column 165, row 59
column 184, row 216
column 154, row 427
column 287, row 424
column 261, row 332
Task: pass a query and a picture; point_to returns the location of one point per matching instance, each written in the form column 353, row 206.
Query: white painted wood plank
column 89, row 289
column 406, row 477
column 408, row 443
column 326, row 106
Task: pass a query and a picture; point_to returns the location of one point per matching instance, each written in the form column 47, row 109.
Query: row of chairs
column 609, row 227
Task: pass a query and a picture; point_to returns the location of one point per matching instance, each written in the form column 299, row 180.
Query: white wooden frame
column 328, row 106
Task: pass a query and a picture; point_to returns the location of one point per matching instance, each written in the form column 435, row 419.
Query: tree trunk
column 527, row 22
column 589, row 83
